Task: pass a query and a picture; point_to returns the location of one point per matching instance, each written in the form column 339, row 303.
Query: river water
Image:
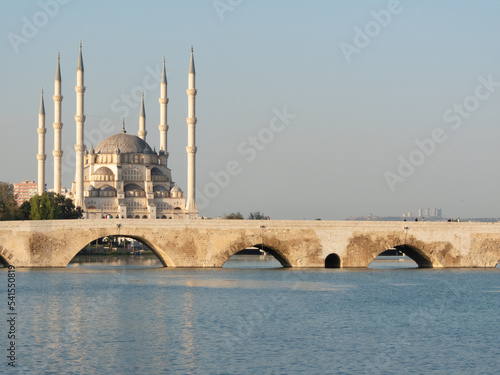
column 128, row 315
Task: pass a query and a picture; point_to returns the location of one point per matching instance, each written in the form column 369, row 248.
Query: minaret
column 142, row 121
column 57, row 152
column 41, row 147
column 191, row 206
column 163, row 112
column 80, row 120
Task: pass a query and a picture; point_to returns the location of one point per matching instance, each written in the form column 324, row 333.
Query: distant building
column 24, row 190
column 64, row 191
column 430, row 212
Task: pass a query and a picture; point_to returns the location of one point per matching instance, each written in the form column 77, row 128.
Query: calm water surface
column 131, row 316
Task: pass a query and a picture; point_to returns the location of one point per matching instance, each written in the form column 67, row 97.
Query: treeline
column 48, row 206
column 252, row 216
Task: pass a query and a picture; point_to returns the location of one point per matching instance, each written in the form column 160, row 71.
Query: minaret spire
column 57, row 125
column 191, row 63
column 41, row 156
column 163, row 116
column 142, row 120
column 80, row 59
column 42, row 105
column 80, row 121
column 191, row 206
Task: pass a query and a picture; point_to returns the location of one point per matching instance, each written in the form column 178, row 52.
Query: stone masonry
column 209, row 243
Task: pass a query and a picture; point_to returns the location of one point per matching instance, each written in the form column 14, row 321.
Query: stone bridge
column 209, row 243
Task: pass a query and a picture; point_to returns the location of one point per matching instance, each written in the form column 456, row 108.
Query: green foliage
column 50, row 206
column 233, row 216
column 43, row 207
column 8, row 204
column 67, row 208
column 25, row 211
column 257, row 216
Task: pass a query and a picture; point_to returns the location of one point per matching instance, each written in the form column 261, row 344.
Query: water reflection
column 147, row 260
column 188, row 331
column 94, row 318
column 252, row 261
column 236, row 261
column 387, row 262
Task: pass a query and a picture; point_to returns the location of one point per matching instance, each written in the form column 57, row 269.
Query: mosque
column 123, row 177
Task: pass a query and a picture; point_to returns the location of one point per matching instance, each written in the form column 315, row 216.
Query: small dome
column 123, row 143
column 104, row 171
column 176, row 189
column 90, row 188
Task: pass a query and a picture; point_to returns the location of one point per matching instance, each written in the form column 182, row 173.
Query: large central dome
column 126, row 143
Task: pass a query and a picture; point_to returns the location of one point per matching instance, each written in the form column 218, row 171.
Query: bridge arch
column 4, row 257
column 162, row 256
column 234, row 248
column 333, row 261
column 3, row 261
column 422, row 259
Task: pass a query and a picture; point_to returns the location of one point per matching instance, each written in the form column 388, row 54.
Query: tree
column 50, row 206
column 233, row 216
column 67, row 208
column 8, row 204
column 25, row 211
column 257, row 216
column 43, row 207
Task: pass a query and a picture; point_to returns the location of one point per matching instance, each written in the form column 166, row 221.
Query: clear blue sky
column 419, row 73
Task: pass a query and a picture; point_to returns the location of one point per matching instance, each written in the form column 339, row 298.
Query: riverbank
column 105, row 250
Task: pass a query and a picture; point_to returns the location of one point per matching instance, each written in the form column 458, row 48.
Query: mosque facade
column 123, row 176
